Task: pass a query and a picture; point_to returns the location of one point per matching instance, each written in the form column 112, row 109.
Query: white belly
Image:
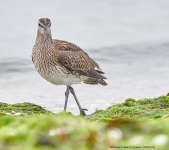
column 60, row 76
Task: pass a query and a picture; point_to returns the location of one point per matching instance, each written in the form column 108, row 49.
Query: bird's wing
column 79, row 63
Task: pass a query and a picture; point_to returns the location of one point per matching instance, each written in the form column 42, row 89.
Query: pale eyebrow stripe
column 41, row 24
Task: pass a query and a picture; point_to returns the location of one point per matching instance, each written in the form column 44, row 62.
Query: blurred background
column 129, row 39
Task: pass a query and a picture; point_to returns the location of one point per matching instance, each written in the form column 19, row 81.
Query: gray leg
column 66, row 97
column 82, row 111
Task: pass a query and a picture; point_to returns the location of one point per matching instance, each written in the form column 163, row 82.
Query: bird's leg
column 82, row 111
column 66, row 97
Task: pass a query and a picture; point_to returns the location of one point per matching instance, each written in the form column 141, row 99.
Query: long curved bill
column 47, row 29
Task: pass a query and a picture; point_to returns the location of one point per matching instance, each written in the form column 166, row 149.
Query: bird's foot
column 82, row 112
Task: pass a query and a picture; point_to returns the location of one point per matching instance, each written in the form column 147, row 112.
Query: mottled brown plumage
column 61, row 62
column 45, row 21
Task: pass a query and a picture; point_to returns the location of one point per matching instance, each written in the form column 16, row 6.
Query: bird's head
column 44, row 25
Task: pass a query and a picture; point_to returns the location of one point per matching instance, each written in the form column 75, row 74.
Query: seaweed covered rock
column 131, row 108
column 25, row 108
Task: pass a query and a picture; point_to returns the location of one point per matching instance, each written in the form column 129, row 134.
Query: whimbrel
column 63, row 63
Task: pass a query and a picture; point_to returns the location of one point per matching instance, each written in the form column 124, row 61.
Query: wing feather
column 77, row 60
column 79, row 63
column 74, row 59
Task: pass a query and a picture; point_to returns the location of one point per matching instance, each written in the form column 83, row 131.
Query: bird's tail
column 94, row 81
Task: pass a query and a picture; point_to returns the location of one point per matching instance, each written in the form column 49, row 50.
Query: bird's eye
column 49, row 25
column 40, row 25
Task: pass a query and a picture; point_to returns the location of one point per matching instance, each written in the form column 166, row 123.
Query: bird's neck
column 43, row 39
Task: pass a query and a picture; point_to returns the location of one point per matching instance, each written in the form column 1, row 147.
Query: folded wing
column 74, row 59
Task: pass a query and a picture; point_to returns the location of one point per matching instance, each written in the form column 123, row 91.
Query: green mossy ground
column 147, row 108
column 25, row 108
column 132, row 123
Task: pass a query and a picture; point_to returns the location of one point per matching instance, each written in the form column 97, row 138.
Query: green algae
column 65, row 131
column 134, row 124
column 57, row 131
column 150, row 108
column 25, row 108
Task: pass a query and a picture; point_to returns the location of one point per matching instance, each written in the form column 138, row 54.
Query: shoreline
column 141, row 124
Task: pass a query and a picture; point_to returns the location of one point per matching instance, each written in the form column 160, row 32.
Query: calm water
column 129, row 39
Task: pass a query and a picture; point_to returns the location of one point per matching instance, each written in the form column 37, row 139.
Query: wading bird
column 63, row 63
